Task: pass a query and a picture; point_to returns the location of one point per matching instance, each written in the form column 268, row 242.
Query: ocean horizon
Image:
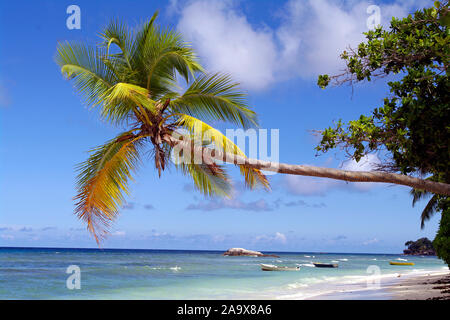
column 44, row 273
column 193, row 250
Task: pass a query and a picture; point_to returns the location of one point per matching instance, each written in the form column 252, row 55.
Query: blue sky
column 276, row 50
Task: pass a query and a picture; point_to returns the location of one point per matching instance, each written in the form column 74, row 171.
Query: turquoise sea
column 40, row 273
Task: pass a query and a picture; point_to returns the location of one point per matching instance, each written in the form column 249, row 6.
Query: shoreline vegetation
column 421, row 247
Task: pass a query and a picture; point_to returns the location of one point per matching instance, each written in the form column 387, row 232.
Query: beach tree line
column 412, row 126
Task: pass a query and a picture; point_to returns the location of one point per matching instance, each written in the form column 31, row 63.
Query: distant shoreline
column 200, row 250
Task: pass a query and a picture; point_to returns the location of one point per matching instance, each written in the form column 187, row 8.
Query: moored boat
column 271, row 267
column 394, row 263
column 325, row 265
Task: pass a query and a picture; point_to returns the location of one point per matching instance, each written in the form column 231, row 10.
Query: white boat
column 271, row 267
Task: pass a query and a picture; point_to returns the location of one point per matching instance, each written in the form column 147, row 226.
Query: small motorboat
column 325, row 265
column 394, row 263
column 271, row 267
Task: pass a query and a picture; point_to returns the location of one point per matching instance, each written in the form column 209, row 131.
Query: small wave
column 307, row 256
column 343, row 259
column 334, row 261
column 400, row 259
column 176, row 268
column 297, row 285
column 153, row 268
column 279, row 260
column 374, row 259
column 305, row 264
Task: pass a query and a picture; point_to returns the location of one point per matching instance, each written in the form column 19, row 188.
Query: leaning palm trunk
column 207, row 154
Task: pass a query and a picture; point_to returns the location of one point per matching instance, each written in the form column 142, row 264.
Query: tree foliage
column 420, row 246
column 412, row 125
column 442, row 240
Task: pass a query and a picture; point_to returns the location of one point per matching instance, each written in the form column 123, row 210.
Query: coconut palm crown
column 132, row 77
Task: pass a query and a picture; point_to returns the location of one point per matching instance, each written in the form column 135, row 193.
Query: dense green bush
column 442, row 241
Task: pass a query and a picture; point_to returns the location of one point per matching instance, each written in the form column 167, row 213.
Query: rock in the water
column 245, row 252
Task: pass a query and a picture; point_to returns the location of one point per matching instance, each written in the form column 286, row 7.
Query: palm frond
column 103, row 181
column 418, row 195
column 142, row 36
column 201, row 131
column 165, row 54
column 118, row 33
column 429, row 210
column 122, row 99
column 85, row 65
column 432, row 205
column 216, row 98
column 209, row 179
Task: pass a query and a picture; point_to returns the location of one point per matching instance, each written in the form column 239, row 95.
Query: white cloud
column 278, row 237
column 307, row 42
column 366, row 163
column 313, row 186
column 371, row 241
column 227, row 42
column 309, row 186
column 369, row 162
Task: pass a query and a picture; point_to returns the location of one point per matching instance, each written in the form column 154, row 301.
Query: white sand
column 422, row 288
column 401, row 287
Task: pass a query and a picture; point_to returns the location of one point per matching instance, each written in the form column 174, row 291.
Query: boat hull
column 325, row 265
column 393, row 263
column 269, row 267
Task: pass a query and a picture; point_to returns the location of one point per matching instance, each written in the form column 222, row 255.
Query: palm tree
column 432, row 206
column 132, row 77
column 430, row 209
column 136, row 86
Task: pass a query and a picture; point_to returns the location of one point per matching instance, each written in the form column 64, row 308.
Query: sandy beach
column 425, row 287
